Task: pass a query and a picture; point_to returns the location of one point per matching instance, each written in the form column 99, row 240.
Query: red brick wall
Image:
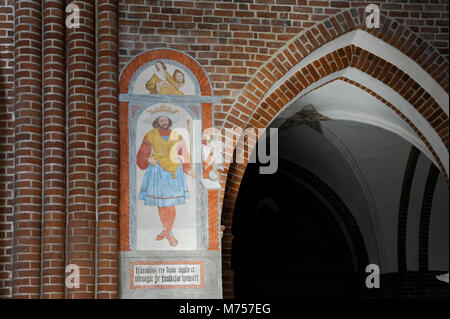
column 6, row 144
column 82, row 150
column 107, row 150
column 54, row 160
column 28, row 151
column 32, row 121
column 231, row 39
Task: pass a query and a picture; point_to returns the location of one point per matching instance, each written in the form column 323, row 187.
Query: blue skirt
column 160, row 189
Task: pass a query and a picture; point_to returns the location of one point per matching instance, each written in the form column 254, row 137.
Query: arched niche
column 169, row 229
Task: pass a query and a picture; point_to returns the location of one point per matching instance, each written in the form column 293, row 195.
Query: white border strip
column 380, row 48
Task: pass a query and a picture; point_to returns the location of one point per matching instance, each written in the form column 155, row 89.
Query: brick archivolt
column 304, row 46
column 297, row 67
column 411, row 68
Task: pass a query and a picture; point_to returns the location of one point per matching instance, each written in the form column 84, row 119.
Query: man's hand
column 152, row 161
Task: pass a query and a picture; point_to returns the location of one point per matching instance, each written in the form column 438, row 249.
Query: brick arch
column 391, row 32
column 255, row 107
column 339, row 60
column 258, row 104
column 236, row 171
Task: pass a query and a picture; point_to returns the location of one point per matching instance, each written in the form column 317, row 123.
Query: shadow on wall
column 287, row 244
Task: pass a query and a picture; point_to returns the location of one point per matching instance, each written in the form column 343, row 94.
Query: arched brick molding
column 260, row 101
column 267, row 106
column 391, row 32
column 293, row 71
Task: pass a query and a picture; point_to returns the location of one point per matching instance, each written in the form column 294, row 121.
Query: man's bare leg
column 171, row 213
column 163, row 215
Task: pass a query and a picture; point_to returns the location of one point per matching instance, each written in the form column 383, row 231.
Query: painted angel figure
column 443, row 277
column 162, row 82
column 213, row 156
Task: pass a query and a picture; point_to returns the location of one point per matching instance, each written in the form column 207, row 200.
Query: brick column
column 81, row 143
column 6, row 144
column 28, row 150
column 108, row 151
column 54, row 219
column 408, row 178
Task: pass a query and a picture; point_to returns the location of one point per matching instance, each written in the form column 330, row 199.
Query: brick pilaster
column 81, row 222
column 6, row 144
column 108, row 150
column 28, row 150
column 54, row 104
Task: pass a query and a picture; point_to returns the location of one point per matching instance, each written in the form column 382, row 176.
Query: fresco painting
column 165, row 179
column 165, row 77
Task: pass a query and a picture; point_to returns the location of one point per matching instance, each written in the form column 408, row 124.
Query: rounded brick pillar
column 54, row 206
column 28, row 150
column 6, row 145
column 108, row 150
column 81, row 199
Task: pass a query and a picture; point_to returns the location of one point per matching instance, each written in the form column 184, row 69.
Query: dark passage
column 287, row 244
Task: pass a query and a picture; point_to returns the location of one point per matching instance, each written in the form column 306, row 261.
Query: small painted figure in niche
column 179, row 78
column 164, row 156
column 164, row 83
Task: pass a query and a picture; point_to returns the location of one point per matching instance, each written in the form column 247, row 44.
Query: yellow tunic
column 165, row 151
column 170, row 89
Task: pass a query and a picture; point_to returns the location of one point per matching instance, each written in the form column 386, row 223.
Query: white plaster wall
column 378, row 47
column 382, row 157
column 354, row 104
column 307, row 148
column 370, row 43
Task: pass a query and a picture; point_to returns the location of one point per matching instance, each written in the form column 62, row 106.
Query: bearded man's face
column 164, row 123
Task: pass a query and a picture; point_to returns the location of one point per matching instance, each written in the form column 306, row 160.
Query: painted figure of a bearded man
column 164, row 156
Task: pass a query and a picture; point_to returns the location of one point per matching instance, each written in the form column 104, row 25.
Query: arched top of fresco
column 184, row 75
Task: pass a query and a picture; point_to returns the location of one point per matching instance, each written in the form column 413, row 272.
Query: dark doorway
column 287, row 243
